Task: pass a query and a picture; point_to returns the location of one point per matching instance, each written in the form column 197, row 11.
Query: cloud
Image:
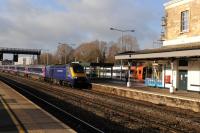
column 48, row 22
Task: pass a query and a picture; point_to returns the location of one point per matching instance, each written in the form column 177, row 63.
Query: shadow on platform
column 6, row 122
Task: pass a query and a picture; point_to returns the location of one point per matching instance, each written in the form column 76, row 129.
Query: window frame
column 185, row 21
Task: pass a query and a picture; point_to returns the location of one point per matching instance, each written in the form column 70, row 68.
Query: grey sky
column 45, row 23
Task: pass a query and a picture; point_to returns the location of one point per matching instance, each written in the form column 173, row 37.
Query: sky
column 43, row 24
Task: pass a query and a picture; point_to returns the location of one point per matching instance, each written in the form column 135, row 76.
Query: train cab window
column 78, row 68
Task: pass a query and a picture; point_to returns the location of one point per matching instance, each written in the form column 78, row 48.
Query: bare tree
column 102, row 51
column 113, row 50
column 47, row 58
column 91, row 52
column 129, row 43
column 95, row 51
column 64, row 53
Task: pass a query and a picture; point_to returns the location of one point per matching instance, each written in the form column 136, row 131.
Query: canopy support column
column 171, row 89
column 129, row 74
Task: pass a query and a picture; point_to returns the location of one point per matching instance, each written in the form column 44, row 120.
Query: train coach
column 21, row 70
column 36, row 71
column 141, row 72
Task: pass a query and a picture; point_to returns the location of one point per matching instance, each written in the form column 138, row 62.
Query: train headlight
column 75, row 77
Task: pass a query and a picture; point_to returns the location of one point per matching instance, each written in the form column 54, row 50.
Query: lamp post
column 122, row 33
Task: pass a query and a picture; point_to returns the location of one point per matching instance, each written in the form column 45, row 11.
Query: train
column 72, row 74
column 141, row 72
column 136, row 72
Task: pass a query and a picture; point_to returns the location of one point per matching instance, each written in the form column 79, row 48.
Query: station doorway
column 183, row 79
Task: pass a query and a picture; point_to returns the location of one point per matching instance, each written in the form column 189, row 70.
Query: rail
column 82, row 122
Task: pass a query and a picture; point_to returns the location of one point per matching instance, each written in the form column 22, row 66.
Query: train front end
column 78, row 75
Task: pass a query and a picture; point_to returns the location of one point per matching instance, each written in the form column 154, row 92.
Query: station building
column 176, row 65
column 25, row 60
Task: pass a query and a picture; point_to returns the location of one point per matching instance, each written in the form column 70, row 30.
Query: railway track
column 77, row 123
column 163, row 108
column 114, row 109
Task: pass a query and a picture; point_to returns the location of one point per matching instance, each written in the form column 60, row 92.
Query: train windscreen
column 78, row 68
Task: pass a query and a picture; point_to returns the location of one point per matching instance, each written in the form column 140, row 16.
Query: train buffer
column 18, row 114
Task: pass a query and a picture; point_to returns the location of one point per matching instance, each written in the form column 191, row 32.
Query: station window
column 183, row 62
column 185, row 21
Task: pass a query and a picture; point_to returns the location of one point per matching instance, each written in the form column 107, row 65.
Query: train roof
column 62, row 65
column 56, row 66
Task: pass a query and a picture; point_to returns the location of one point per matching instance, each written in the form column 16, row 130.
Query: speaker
column 15, row 57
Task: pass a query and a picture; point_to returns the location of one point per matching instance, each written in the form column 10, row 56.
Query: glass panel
column 185, row 21
column 78, row 68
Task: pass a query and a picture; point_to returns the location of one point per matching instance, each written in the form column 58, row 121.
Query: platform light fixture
column 122, row 33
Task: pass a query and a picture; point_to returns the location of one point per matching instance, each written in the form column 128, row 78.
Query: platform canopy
column 182, row 51
column 20, row 51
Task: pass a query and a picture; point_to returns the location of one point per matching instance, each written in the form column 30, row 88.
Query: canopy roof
column 189, row 50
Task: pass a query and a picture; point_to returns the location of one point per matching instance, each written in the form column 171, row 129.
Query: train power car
column 72, row 74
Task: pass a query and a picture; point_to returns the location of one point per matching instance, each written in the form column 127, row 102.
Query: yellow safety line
column 13, row 116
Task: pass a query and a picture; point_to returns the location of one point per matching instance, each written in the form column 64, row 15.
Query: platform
column 18, row 114
column 138, row 91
